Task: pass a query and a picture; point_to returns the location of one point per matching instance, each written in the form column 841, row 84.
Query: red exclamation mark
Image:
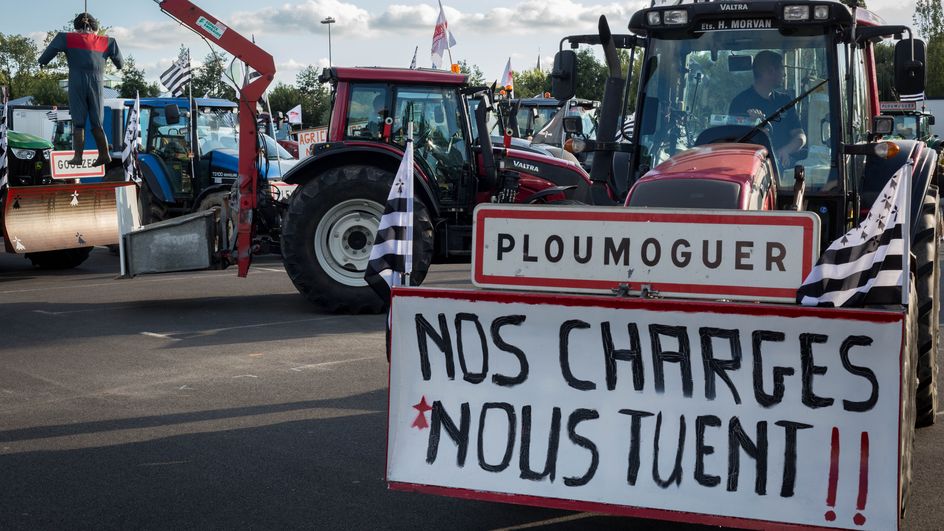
column 833, row 474
column 859, row 518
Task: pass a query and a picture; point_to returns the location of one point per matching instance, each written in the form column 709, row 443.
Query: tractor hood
column 558, row 171
column 710, row 176
column 27, row 141
column 227, row 160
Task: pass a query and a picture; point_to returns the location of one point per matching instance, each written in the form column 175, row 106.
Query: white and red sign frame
column 61, row 170
column 897, row 106
column 793, row 235
column 846, row 455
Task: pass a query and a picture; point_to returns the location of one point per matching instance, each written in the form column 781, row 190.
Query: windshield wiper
column 776, row 114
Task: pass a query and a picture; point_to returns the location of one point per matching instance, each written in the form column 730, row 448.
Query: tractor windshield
column 906, row 126
column 216, row 129
column 708, row 88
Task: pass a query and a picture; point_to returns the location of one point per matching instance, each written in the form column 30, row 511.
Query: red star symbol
column 420, row 421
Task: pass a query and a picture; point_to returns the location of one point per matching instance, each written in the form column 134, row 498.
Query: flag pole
column 405, row 278
column 446, row 36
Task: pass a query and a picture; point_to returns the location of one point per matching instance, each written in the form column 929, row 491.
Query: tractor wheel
column 906, row 428
column 61, row 259
column 152, row 209
column 219, row 199
column 329, row 230
column 927, row 278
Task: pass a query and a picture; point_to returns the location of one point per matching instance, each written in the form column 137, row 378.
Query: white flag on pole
column 295, row 115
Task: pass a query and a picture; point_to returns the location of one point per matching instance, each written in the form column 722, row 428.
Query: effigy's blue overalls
column 86, row 54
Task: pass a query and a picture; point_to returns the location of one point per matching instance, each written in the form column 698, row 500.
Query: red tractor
column 330, row 225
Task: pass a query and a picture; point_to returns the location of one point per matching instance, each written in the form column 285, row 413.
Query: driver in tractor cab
column 375, row 126
column 762, row 99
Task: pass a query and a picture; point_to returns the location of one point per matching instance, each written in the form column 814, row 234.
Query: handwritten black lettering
column 632, row 468
column 809, row 370
column 676, row 475
column 576, row 417
column 765, row 400
column 757, row 450
column 790, row 455
column 467, row 375
column 510, row 439
column 660, row 356
column 573, row 381
column 442, row 340
column 459, row 434
column 702, row 449
column 553, row 442
column 633, row 355
column 864, row 372
column 718, row 367
column 504, row 346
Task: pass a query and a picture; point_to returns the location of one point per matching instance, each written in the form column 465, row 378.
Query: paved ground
column 205, row 401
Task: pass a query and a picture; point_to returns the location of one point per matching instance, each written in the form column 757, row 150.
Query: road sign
column 62, row 170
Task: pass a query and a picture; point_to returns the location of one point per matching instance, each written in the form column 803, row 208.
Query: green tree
column 929, row 18
column 133, row 83
column 531, row 83
column 476, row 77
column 208, row 80
column 929, row 21
column 315, row 98
column 45, row 89
column 591, row 75
column 18, row 65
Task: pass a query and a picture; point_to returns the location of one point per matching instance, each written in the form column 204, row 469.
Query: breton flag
column 391, row 257
column 413, row 62
column 442, row 38
column 912, row 97
column 129, row 155
column 53, row 115
column 3, row 138
column 508, row 77
column 870, row 263
column 178, row 75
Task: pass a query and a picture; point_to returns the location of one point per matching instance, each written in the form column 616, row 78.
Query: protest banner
column 747, row 415
column 308, row 138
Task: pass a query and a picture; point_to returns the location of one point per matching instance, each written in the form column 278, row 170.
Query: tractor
column 333, row 216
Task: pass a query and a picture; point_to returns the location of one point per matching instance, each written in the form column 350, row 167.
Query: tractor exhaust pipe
column 600, row 171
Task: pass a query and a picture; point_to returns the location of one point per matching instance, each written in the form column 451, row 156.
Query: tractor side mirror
column 564, row 75
column 573, row 125
column 910, row 64
column 172, row 114
column 883, row 125
column 931, row 120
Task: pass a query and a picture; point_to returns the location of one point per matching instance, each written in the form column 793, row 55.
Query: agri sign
column 749, row 415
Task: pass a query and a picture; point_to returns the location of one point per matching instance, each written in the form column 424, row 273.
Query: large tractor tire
column 906, row 429
column 329, row 230
column 927, row 284
column 62, row 259
column 151, row 208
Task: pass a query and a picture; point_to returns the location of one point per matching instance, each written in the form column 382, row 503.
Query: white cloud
column 303, row 17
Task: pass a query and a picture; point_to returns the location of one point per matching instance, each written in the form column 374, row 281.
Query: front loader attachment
column 60, row 216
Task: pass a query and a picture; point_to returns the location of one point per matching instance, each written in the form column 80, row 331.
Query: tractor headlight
column 676, row 17
column 23, row 154
column 821, row 12
column 654, row 18
column 46, row 153
column 796, row 13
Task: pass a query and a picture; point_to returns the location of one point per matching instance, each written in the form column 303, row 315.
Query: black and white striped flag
column 53, row 115
column 178, row 75
column 912, row 97
column 391, row 257
column 3, row 138
column 869, row 264
column 129, row 154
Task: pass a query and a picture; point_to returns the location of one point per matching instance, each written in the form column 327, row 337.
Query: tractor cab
column 797, row 79
column 911, row 123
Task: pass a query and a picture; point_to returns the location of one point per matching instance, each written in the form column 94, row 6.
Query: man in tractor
column 86, row 53
column 762, row 99
column 375, row 126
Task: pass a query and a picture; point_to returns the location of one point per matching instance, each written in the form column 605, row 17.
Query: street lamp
column 329, row 21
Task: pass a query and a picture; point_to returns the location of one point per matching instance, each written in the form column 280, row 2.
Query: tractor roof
column 393, row 75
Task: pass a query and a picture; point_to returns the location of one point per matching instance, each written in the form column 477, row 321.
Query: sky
column 367, row 32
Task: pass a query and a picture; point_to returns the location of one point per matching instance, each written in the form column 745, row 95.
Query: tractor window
column 366, row 112
column 906, row 126
column 216, row 129
column 703, row 89
column 437, row 131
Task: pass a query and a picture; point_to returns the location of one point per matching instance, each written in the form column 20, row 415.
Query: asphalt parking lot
column 200, row 400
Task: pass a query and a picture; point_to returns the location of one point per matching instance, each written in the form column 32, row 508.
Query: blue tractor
column 189, row 160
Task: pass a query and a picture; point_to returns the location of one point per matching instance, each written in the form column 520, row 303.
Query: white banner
column 308, row 138
column 691, row 253
column 715, row 412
